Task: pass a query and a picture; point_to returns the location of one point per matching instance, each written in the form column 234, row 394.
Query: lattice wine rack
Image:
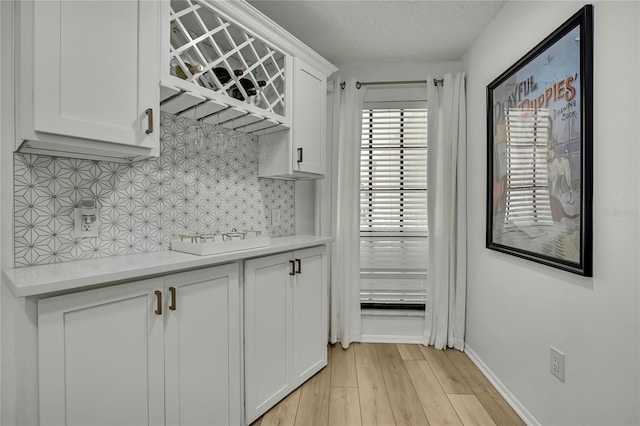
column 220, row 71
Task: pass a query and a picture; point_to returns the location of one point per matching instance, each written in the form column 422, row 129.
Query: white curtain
column 446, row 180
column 345, row 252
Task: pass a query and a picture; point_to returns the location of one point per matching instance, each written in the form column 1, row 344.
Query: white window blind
column 527, row 188
column 393, row 207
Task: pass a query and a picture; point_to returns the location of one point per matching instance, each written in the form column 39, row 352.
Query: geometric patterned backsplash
column 144, row 205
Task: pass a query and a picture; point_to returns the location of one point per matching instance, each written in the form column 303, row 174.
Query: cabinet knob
column 158, row 294
column 299, row 151
column 293, row 267
column 149, row 112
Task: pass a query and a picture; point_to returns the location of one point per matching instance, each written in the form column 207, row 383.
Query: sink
column 217, row 247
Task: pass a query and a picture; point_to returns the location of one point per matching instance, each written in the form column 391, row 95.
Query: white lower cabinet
column 202, row 348
column 154, row 352
column 285, row 325
column 309, row 313
column 168, row 350
column 101, row 357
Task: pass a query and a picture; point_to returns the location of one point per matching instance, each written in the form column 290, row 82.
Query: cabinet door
column 309, row 117
column 309, row 314
column 267, row 332
column 101, row 357
column 96, row 69
column 202, row 347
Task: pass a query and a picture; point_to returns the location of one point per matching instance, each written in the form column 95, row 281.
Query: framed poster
column 539, row 151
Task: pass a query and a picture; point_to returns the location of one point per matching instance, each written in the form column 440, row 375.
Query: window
column 393, row 207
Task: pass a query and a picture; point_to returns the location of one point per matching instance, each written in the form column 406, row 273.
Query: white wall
column 7, row 370
column 389, row 71
column 517, row 309
column 1, row 250
column 306, row 206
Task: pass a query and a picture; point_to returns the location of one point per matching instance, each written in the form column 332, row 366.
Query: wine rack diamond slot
column 213, row 52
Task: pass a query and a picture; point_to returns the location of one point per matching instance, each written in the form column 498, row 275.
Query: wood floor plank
column 448, row 375
column 410, row 352
column 313, row 408
column 284, row 413
column 434, row 401
column 344, row 407
column 405, row 403
column 470, row 410
column 385, row 389
column 343, row 367
column 375, row 406
column 501, row 413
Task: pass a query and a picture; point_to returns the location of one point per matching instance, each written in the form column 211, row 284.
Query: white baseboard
column 375, row 338
column 501, row 388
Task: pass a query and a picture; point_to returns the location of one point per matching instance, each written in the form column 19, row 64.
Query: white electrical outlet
column 276, row 217
column 85, row 220
column 556, row 363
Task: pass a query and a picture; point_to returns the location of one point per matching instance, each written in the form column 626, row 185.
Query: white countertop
column 57, row 277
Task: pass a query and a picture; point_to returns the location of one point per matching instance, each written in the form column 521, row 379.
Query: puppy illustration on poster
column 539, row 141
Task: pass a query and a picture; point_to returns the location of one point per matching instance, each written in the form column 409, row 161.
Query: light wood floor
column 389, row 384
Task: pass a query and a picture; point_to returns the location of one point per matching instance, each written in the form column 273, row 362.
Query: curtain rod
column 386, row 83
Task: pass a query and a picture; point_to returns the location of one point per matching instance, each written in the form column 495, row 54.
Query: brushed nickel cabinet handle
column 293, row 267
column 298, row 266
column 299, row 150
column 158, row 302
column 149, row 112
column 172, row 305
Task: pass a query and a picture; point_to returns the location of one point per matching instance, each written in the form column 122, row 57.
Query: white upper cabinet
column 299, row 152
column 309, row 121
column 226, row 63
column 91, row 76
column 88, row 78
column 213, row 62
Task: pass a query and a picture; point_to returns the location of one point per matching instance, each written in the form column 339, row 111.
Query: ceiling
column 351, row 31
